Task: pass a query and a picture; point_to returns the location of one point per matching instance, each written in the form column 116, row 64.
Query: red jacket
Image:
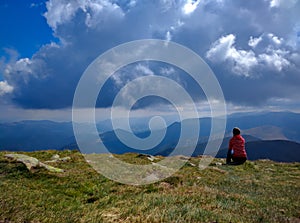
column 237, row 144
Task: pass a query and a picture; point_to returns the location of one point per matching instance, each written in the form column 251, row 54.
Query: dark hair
column 236, row 131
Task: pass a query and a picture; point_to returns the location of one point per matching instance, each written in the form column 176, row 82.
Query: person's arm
column 230, row 144
column 229, row 154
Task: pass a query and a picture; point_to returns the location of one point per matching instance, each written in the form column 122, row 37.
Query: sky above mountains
column 253, row 48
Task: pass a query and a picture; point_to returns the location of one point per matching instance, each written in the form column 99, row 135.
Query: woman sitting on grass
column 236, row 152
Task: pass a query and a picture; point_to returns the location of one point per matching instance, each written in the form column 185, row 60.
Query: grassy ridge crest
column 258, row 191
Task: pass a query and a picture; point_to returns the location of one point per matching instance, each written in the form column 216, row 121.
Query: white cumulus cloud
column 275, row 60
column 275, row 39
column 5, row 88
column 253, row 42
column 282, row 3
column 224, row 49
column 60, row 12
column 190, row 6
column 244, row 62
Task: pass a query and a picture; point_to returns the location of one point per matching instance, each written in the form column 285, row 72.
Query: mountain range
column 269, row 135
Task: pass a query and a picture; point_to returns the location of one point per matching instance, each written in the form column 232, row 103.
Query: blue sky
column 253, row 47
column 25, row 30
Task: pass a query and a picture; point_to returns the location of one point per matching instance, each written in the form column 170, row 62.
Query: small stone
column 191, row 164
column 65, row 159
column 151, row 158
column 55, row 157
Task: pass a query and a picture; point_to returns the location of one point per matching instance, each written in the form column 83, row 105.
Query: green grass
column 260, row 191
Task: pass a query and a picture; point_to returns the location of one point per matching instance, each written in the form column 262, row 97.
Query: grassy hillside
column 260, row 191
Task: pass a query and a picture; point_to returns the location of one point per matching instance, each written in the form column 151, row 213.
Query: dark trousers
column 234, row 160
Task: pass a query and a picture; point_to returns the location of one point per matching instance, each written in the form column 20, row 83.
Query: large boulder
column 31, row 163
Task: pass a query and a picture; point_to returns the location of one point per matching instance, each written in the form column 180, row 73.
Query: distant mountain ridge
column 266, row 132
column 288, row 122
column 276, row 150
column 261, row 130
column 35, row 135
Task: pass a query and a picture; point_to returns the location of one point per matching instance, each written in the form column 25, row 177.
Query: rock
column 151, row 158
column 56, row 158
column 31, row 162
column 65, row 159
column 51, row 168
column 182, row 157
column 151, row 178
column 191, row 164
